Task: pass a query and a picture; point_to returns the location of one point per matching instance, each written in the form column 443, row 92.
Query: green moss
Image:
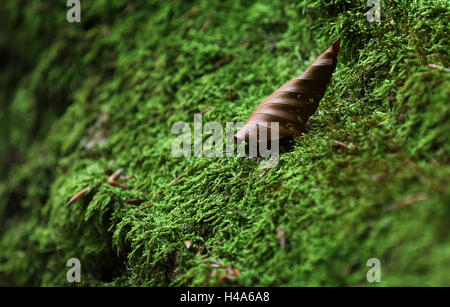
column 122, row 77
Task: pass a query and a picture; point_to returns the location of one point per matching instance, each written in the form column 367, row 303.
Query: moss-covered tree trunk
column 81, row 100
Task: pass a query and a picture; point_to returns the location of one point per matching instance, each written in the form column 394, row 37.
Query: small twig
column 343, row 145
column 181, row 175
column 175, row 180
column 78, row 196
column 203, row 112
column 112, row 179
column 411, row 200
column 268, row 168
column 439, row 67
column 215, row 263
column 145, row 207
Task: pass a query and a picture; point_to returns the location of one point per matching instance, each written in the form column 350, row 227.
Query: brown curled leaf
column 78, row 196
column 292, row 104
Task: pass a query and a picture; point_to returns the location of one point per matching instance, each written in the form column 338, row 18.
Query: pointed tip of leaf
column 337, row 47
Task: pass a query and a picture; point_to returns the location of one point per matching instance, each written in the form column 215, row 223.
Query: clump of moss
column 122, row 77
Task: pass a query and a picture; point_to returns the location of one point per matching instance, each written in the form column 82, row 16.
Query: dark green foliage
column 79, row 101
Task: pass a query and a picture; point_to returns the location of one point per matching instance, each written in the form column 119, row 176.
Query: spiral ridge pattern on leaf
column 293, row 103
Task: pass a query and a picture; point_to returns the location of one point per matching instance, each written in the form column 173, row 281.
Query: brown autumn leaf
column 292, row 104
